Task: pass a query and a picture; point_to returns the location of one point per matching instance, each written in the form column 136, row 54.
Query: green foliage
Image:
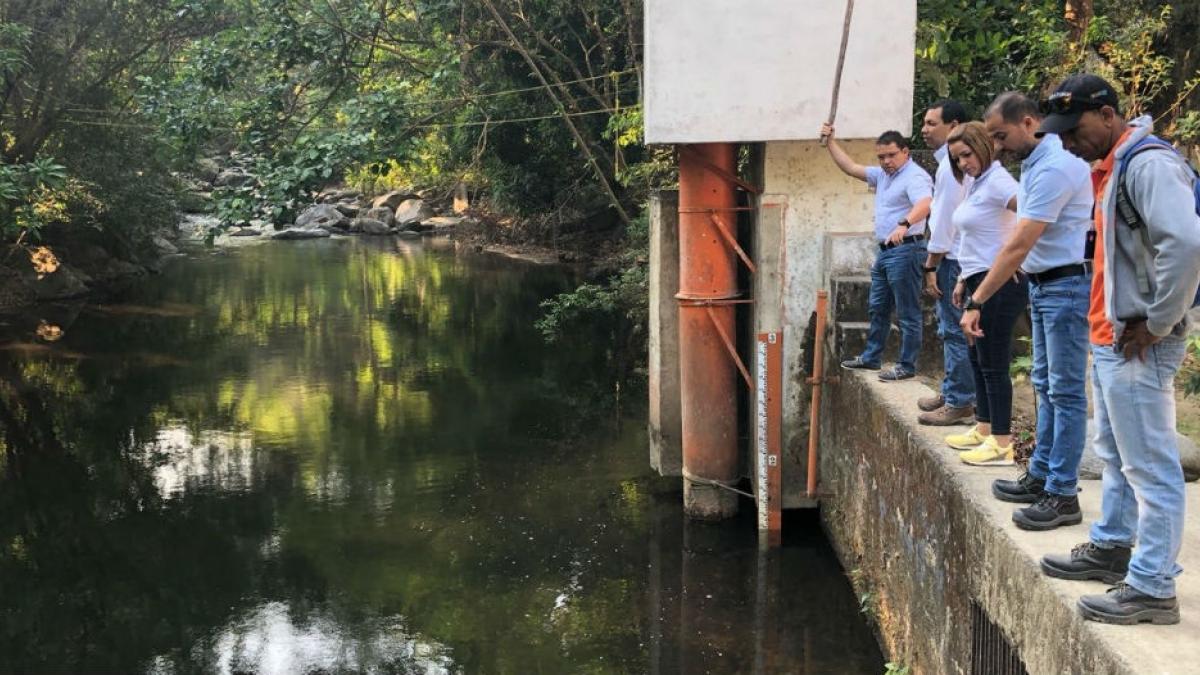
column 617, row 308
column 972, row 50
column 31, row 196
column 896, row 668
column 1022, row 365
column 1191, row 367
column 1187, row 128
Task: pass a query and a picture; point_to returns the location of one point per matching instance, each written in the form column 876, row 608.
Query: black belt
column 1075, row 270
column 883, row 245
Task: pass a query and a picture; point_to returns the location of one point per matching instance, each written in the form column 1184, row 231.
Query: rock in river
column 370, row 226
column 321, row 215
column 300, row 233
column 412, row 211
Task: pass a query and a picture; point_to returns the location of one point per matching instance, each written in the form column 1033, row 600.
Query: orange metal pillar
column 707, row 287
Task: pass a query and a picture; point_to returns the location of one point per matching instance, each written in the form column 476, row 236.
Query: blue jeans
column 896, row 284
column 1060, row 349
column 1143, row 482
column 958, row 385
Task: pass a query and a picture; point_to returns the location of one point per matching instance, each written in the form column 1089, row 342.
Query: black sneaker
column 1048, row 512
column 1125, row 606
column 1089, row 562
column 857, row 363
column 895, row 374
column 1024, row 490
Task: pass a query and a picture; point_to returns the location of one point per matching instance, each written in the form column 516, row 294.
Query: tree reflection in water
column 349, row 456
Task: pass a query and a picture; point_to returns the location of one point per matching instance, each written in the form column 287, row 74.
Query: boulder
column 1091, row 468
column 162, row 245
column 392, row 199
column 232, row 178
column 245, row 232
column 207, row 169
column 348, row 209
column 412, row 211
column 321, row 216
column 441, row 223
column 300, row 233
column 331, row 195
column 370, row 226
column 59, row 284
column 381, row 213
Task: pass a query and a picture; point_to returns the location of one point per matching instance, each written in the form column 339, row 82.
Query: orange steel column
column 707, row 282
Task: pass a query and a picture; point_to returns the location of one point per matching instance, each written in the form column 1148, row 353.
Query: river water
column 359, row 456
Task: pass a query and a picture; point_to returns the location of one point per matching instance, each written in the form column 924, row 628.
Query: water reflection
column 356, row 456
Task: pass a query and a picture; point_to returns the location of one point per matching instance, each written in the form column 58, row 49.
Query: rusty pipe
column 817, row 379
column 707, row 272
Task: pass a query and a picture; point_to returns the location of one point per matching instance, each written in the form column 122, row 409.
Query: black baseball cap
column 1076, row 95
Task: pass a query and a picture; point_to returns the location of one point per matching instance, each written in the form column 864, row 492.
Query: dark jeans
column 992, row 353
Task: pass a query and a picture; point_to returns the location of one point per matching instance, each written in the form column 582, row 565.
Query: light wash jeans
column 958, row 384
column 1143, row 481
column 1060, row 348
column 896, row 284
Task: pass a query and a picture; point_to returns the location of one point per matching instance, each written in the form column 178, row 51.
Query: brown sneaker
column 931, row 403
column 946, row 416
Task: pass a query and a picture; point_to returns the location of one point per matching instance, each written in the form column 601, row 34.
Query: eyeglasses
column 1063, row 102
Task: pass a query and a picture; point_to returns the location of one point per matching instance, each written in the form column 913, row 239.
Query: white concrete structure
column 762, row 70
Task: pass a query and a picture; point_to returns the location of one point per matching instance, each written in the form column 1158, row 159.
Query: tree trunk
column 1079, row 15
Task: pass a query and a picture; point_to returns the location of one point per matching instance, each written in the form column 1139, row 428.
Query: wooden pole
column 837, row 73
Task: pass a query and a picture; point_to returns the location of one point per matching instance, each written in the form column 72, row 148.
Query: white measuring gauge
column 766, row 389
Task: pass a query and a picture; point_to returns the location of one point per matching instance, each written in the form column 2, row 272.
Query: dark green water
column 353, row 456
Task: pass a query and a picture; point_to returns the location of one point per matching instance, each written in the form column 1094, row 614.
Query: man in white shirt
column 955, row 403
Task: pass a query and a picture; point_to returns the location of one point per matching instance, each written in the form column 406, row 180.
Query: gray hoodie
column 1160, row 185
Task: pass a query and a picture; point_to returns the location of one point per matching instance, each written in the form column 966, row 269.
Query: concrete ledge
column 921, row 532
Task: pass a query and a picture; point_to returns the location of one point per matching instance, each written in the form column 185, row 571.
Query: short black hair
column 952, row 111
column 1012, row 107
column 889, row 137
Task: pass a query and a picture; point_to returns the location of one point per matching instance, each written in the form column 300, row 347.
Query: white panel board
column 762, row 70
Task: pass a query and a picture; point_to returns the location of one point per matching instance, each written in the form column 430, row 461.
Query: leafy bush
column 617, row 308
column 1191, row 367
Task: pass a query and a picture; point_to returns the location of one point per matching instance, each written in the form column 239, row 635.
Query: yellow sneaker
column 968, row 441
column 988, row 454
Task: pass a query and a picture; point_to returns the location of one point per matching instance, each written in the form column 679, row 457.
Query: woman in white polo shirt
column 985, row 222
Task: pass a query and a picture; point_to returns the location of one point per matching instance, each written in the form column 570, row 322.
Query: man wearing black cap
column 1054, row 207
column 1146, row 274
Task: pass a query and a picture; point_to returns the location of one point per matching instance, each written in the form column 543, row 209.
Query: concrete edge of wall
column 923, row 539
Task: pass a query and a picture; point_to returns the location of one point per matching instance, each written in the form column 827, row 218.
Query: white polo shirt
column 947, row 194
column 983, row 219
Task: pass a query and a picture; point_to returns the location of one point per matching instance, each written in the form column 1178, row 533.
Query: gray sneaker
column 1125, row 606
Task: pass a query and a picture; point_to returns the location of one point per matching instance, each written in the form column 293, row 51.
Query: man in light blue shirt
column 903, row 192
column 955, row 403
column 1054, row 206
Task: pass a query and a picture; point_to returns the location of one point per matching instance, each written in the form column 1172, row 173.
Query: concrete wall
column 920, row 533
column 762, row 70
column 666, row 449
column 814, row 222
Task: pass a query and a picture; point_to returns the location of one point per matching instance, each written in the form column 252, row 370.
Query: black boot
column 1126, row 606
column 1024, row 490
column 1048, row 512
column 1089, row 561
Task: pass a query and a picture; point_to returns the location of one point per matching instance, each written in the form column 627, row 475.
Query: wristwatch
column 904, row 223
column 929, row 270
column 970, row 304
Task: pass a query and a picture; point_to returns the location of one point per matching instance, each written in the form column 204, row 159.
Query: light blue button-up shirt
column 895, row 196
column 1056, row 188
